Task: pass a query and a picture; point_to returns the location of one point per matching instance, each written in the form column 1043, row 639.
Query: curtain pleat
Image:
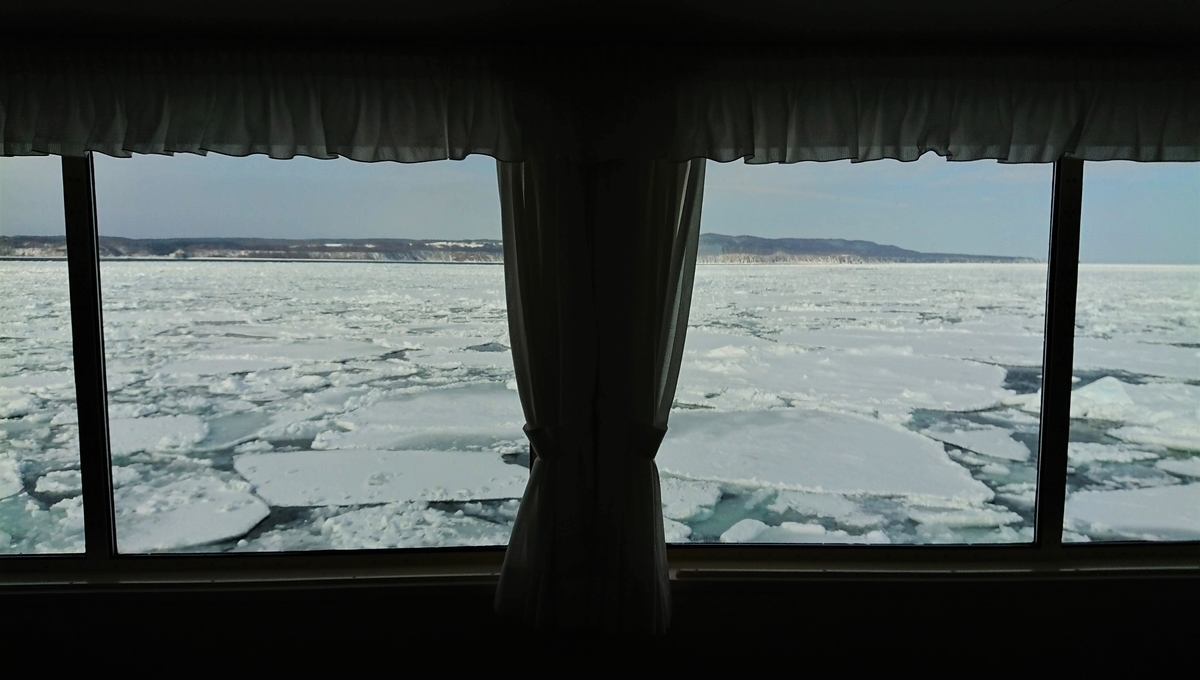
column 364, row 107
column 599, row 260
column 600, row 103
column 1013, row 109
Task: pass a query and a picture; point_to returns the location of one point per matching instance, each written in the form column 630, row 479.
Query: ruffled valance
column 1013, row 109
column 595, row 104
column 364, row 107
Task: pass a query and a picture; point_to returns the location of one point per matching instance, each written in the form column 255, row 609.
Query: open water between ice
column 304, row 406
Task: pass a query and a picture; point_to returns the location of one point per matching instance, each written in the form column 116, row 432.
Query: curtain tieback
column 639, row 440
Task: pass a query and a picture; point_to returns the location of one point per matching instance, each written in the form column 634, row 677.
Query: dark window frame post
column 1058, row 354
column 87, row 342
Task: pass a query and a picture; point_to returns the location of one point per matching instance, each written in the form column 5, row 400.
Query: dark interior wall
column 706, row 23
column 854, row 621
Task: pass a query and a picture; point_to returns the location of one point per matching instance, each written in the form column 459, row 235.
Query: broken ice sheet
column 687, row 500
column 890, row 380
column 354, row 477
column 171, row 515
column 157, row 433
column 994, row 442
column 807, row 450
column 1156, row 513
column 755, row 531
column 476, row 414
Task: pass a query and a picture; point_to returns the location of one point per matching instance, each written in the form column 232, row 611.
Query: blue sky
column 1132, row 212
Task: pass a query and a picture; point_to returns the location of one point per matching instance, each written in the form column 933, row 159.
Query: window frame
column 1046, row 554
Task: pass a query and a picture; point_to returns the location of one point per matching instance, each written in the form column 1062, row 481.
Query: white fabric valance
column 1014, row 109
column 600, row 105
column 364, row 107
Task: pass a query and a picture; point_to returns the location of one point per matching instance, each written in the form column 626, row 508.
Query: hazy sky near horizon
column 1132, row 212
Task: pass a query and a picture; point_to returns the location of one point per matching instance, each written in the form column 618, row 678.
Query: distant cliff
column 718, row 248
column 714, row 248
column 377, row 249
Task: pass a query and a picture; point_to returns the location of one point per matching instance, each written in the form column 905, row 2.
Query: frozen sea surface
column 305, row 406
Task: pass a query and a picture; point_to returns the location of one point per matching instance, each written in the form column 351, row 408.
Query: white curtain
column 368, row 107
column 1014, row 109
column 604, row 104
column 598, row 263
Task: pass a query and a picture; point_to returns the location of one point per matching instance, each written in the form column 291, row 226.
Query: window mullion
column 1057, row 356
column 91, row 393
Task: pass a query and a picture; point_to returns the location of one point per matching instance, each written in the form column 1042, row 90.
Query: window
column 244, row 460
column 41, row 507
column 861, row 340
column 306, row 355
column 1135, row 425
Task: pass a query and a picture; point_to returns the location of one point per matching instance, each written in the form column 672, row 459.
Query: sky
column 1137, row 213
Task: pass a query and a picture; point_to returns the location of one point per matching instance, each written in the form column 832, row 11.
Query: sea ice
column 1104, row 399
column 872, row 380
column 987, row 441
column 220, row 366
column 991, row 341
column 810, row 450
column 1156, row 513
column 1163, row 414
column 131, row 435
column 10, row 476
column 754, row 531
column 1179, row 363
column 676, row 532
column 480, row 413
column 686, row 500
column 29, row 381
column 62, row 482
column 1082, row 453
column 960, row 518
column 840, row 509
column 352, row 477
column 1188, row 467
column 185, row 513
column 409, row 525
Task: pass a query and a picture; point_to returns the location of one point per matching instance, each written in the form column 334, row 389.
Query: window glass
column 861, row 344
column 1134, row 454
column 307, row 355
column 41, row 509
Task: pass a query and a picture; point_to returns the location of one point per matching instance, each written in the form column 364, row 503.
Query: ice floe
column 880, row 379
column 687, row 500
column 1156, row 513
column 1082, row 453
column 995, row 442
column 351, row 477
column 459, row 416
column 157, row 433
column 10, row 476
column 182, row 514
column 809, row 450
column 755, row 531
column 62, row 482
column 1187, row 467
column 409, row 525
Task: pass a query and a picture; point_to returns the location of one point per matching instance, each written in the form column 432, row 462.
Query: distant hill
column 714, row 248
column 718, row 248
column 376, row 249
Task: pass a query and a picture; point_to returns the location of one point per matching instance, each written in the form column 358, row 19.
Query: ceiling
column 1145, row 22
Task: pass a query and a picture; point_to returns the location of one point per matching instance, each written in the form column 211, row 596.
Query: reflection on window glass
column 41, row 509
column 307, row 355
column 1134, row 470
column 863, row 339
